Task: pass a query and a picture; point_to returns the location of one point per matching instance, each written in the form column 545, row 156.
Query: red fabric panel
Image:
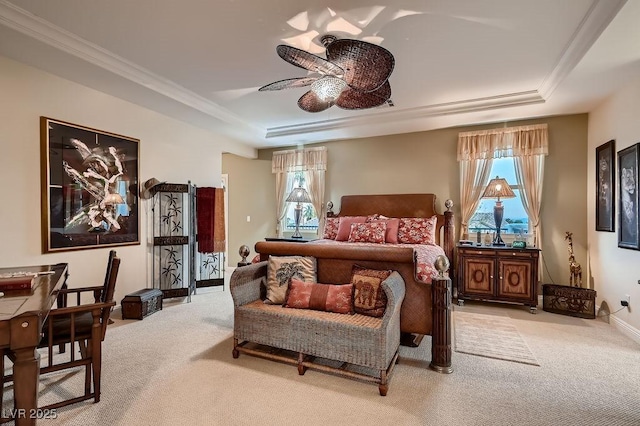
column 210, row 219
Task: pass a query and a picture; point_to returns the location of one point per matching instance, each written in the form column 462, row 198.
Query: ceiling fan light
column 328, row 88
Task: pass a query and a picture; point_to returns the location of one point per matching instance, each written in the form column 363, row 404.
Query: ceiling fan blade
column 312, row 103
column 354, row 99
column 289, row 83
column 308, row 61
column 366, row 66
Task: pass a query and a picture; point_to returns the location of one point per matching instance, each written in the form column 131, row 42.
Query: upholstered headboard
column 401, row 205
column 393, row 205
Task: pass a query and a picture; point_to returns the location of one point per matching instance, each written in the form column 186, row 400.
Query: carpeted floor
column 492, row 336
column 175, row 368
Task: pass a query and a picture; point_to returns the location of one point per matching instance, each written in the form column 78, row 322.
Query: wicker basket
column 566, row 300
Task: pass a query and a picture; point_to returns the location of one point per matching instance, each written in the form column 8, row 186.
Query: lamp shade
column 299, row 195
column 498, row 188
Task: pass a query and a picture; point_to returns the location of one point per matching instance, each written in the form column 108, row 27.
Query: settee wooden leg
column 235, row 352
column 384, row 385
column 301, row 368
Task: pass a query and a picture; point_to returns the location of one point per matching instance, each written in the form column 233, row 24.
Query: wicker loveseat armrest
column 246, row 281
column 394, row 289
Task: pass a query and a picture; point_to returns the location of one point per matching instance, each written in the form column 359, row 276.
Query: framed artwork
column 628, row 228
column 605, row 187
column 89, row 187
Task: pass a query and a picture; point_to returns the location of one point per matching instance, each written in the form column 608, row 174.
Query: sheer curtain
column 529, row 174
column 474, row 177
column 284, row 185
column 527, row 145
column 313, row 161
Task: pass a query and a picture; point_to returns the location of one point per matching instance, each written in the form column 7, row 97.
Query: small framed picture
column 628, row 225
column 605, row 187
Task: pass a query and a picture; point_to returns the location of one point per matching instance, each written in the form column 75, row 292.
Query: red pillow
column 320, row 297
column 344, row 226
column 372, row 232
column 391, row 236
column 417, row 230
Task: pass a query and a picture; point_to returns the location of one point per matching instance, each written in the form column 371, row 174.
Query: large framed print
column 628, row 228
column 605, row 187
column 89, row 187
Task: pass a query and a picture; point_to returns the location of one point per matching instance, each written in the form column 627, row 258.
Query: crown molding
column 447, row 108
column 42, row 30
column 597, row 18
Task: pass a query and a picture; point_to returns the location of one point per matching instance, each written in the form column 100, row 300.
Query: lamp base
column 497, row 241
column 298, row 235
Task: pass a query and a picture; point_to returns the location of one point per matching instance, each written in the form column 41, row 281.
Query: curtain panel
column 506, row 142
column 312, row 161
column 295, row 160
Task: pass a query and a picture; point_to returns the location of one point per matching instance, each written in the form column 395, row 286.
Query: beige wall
column 614, row 271
column 426, row 162
column 251, row 191
column 169, row 150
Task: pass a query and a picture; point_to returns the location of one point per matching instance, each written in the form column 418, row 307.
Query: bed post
column 449, row 232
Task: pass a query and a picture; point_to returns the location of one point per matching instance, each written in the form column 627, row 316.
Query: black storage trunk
column 141, row 303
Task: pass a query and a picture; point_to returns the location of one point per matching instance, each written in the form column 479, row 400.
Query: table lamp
column 298, row 195
column 498, row 188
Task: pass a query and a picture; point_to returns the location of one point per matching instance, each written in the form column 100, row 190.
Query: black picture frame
column 89, row 187
column 628, row 200
column 605, row 186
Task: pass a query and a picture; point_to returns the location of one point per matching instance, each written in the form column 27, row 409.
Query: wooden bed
column 335, row 262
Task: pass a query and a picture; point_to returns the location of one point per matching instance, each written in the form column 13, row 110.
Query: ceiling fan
column 355, row 75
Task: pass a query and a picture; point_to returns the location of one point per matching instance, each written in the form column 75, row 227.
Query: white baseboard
column 625, row 328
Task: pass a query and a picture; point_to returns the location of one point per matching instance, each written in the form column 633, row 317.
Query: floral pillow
column 282, row 269
column 417, row 230
column 372, row 232
column 344, row 226
column 320, row 297
column 369, row 297
column 331, row 228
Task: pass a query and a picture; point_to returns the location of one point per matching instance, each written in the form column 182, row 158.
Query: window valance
column 299, row 159
column 518, row 141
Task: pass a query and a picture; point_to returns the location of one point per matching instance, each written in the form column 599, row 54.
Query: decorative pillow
column 344, row 226
column 417, row 230
column 368, row 296
column 280, row 271
column 331, row 228
column 391, row 236
column 372, row 217
column 320, row 297
column 372, row 232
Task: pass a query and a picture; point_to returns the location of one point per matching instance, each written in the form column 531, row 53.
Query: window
column 515, row 220
column 309, row 220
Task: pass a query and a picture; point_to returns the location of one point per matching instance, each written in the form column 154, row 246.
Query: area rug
column 490, row 336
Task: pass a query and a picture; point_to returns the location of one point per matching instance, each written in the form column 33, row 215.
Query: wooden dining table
column 22, row 315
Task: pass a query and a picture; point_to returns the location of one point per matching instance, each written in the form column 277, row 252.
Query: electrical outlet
column 626, row 301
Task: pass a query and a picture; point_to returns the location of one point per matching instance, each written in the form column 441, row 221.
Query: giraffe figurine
column 575, row 279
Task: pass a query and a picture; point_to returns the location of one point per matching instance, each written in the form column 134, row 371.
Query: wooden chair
column 85, row 324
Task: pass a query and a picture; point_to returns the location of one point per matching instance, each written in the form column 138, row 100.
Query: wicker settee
column 301, row 335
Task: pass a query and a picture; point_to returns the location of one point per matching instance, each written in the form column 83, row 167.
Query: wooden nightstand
column 498, row 274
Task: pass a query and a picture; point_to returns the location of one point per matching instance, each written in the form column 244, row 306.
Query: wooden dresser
column 498, row 274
